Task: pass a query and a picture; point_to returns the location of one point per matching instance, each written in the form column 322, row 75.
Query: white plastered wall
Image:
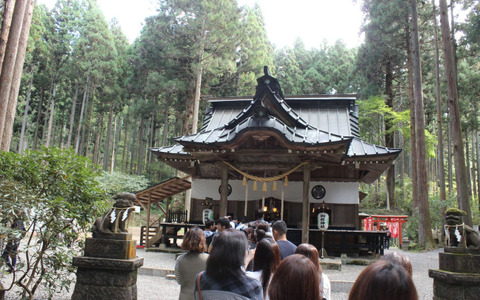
column 336, row 192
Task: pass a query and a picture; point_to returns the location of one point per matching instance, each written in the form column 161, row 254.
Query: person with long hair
column 224, row 277
column 265, row 263
column 311, row 252
column 252, row 238
column 296, row 278
column 383, row 280
column 190, row 264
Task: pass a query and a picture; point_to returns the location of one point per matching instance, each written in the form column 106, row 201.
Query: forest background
column 85, row 87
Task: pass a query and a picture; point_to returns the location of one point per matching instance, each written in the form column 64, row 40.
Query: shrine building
column 288, row 156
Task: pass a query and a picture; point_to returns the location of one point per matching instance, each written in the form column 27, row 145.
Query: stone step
column 331, row 264
column 155, row 272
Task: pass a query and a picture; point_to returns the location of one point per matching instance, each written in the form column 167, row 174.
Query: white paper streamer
column 457, row 234
column 113, row 216
column 125, row 215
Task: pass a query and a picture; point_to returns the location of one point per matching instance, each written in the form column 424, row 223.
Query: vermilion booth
column 393, row 223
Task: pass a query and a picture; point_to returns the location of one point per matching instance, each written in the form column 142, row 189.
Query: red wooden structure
column 393, row 223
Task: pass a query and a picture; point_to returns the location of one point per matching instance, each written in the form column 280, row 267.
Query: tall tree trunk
column 45, row 121
column 37, row 122
column 106, row 156
column 133, row 142
column 389, row 137
column 401, row 142
column 54, row 132
column 116, row 132
column 62, row 135
column 8, row 7
column 8, row 65
column 80, row 119
column 72, row 116
column 450, row 159
column 413, row 138
column 152, row 140
column 454, row 111
column 441, row 162
column 88, row 126
column 186, row 125
column 477, row 144
column 21, row 147
column 125, row 145
column 424, row 225
column 98, row 139
column 17, row 75
column 52, row 113
column 141, row 147
column 467, row 162
column 198, row 88
column 472, row 169
column 165, row 128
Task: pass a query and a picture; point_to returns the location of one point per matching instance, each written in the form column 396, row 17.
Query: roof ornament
column 268, row 83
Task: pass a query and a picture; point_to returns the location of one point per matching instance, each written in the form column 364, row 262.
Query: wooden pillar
column 306, row 203
column 148, row 219
column 282, row 201
column 245, row 209
column 224, row 192
column 167, row 215
column 188, row 201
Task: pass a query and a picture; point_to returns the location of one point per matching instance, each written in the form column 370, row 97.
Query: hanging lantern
column 264, row 188
column 254, row 185
column 274, row 187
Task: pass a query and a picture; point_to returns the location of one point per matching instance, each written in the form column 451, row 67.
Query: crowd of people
column 241, row 260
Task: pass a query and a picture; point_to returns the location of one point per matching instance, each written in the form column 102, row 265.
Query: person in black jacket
column 10, row 252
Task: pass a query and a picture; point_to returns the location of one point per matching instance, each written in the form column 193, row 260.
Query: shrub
column 57, row 192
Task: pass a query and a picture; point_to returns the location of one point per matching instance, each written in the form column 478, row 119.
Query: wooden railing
column 177, row 216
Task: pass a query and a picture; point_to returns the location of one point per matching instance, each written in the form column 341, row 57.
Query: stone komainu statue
column 457, row 230
column 114, row 221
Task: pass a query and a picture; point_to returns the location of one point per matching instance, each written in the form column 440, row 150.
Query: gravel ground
column 421, row 262
column 158, row 287
column 152, row 282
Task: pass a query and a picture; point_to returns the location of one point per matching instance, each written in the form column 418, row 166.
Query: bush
column 58, row 196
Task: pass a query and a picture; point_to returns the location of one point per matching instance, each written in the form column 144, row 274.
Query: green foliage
column 476, row 214
column 327, row 70
column 385, row 44
column 56, row 194
column 373, row 111
column 472, row 28
column 117, row 182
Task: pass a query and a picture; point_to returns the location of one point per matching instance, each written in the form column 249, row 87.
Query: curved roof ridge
column 269, row 99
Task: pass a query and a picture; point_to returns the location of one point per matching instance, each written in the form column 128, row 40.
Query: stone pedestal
column 109, row 268
column 459, row 275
